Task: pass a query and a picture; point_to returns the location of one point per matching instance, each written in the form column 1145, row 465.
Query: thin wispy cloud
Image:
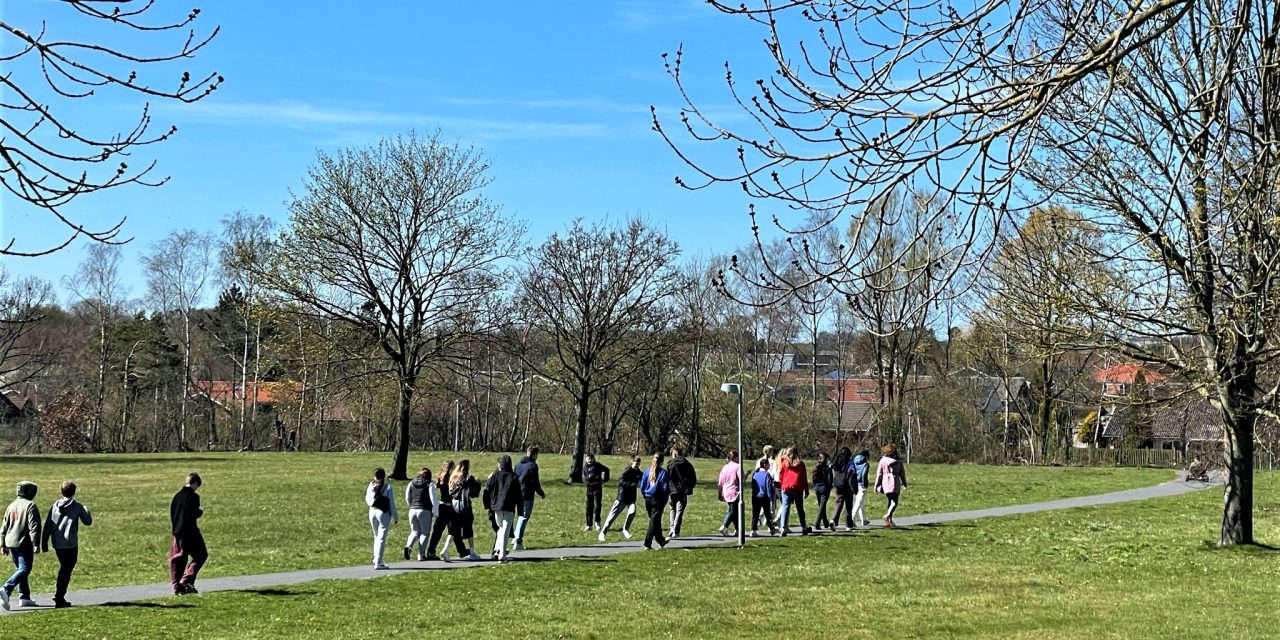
column 306, row 116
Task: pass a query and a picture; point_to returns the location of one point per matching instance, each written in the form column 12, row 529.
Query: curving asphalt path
column 131, row 593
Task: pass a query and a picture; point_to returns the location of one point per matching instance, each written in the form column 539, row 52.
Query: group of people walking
column 444, row 505
column 25, row 534
column 785, row 479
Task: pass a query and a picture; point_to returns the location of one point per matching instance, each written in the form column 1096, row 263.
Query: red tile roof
column 1124, row 374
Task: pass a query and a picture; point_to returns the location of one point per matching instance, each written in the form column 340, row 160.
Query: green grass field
column 1141, row 570
column 268, row 512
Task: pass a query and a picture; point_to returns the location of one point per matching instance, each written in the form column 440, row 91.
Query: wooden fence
column 1263, row 460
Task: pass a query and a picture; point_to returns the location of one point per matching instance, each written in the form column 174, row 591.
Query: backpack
column 380, row 500
column 840, row 478
column 461, row 498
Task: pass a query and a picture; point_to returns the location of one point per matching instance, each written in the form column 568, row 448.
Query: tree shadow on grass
column 149, row 605
column 275, row 592
column 1258, row 548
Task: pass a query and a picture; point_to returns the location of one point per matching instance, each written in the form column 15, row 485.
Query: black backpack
column 380, row 500
column 840, row 478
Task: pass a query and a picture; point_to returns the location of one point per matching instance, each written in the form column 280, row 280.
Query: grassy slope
column 274, row 512
column 1144, row 570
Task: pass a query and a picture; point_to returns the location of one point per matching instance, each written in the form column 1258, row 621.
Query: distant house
column 1115, row 381
column 1114, row 410
column 18, row 410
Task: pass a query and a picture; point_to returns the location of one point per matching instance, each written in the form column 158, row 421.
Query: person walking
column 462, row 488
column 594, row 474
column 505, row 502
column 842, row 481
column 762, row 497
column 62, row 528
column 444, row 510
column 730, row 484
column 822, row 483
column 628, row 481
column 382, row 512
column 891, row 479
column 530, row 486
column 187, row 553
column 20, row 533
column 424, row 503
column 654, row 485
column 682, row 478
column 859, row 476
column 794, row 481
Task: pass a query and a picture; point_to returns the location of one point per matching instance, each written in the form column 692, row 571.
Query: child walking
column 462, row 488
column 505, row 502
column 891, row 479
column 655, row 488
column 20, row 532
column 795, row 488
column 859, row 475
column 626, row 500
column 423, row 503
column 762, row 497
column 822, row 482
column 842, row 482
column 62, row 528
column 730, row 483
column 382, row 511
column 594, row 474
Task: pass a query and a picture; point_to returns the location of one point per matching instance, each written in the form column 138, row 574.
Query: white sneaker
column 380, row 567
column 587, row 528
column 444, row 555
column 724, row 531
column 4, row 599
column 601, row 536
column 28, row 602
column 626, row 534
column 753, row 534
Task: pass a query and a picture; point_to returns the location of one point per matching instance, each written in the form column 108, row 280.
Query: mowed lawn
column 269, row 512
column 1139, row 570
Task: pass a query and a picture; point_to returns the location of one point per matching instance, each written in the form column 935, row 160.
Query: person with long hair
column 654, row 486
column 822, row 481
column 462, row 488
column 444, row 511
column 859, row 474
column 891, row 479
column 505, row 502
column 382, row 511
column 794, row 481
column 844, row 488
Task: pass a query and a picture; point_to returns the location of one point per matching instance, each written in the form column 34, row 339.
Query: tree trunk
column 1237, row 500
column 580, row 437
column 399, row 469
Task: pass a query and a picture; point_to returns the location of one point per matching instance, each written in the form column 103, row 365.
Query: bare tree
column 600, row 293
column 23, row 303
column 177, row 271
column 397, row 241
column 246, row 246
column 97, row 284
column 51, row 153
column 1170, row 105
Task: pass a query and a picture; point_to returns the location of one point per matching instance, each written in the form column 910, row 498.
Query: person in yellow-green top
column 21, row 533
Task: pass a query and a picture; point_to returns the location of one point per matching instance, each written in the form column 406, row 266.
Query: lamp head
column 731, row 387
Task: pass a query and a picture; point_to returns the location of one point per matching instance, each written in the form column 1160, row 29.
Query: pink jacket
column 730, row 481
column 890, row 476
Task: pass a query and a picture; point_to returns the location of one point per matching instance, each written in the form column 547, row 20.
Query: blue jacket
column 762, row 484
column 859, row 467
column 658, row 489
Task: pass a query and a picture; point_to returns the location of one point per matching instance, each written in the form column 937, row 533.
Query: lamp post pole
column 457, row 428
column 742, row 484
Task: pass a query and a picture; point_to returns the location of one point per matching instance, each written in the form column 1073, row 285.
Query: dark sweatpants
column 446, row 519
column 67, row 559
column 595, row 495
column 655, row 507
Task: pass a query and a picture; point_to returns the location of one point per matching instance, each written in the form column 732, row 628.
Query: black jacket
column 419, row 497
column 184, row 511
column 682, row 476
column 530, row 484
column 627, row 483
column 504, row 493
column 595, row 474
column 823, row 480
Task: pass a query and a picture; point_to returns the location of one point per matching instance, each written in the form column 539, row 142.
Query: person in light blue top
column 654, row 486
column 859, row 469
column 762, row 497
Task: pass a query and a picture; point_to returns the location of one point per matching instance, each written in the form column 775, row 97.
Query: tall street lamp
column 736, row 389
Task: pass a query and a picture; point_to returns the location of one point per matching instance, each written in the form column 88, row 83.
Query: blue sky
column 557, row 95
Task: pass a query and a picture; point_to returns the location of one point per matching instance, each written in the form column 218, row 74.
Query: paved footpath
column 132, row 593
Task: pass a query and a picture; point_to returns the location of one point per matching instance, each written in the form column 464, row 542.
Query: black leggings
column 761, row 507
column 656, row 507
column 445, row 519
column 822, row 510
